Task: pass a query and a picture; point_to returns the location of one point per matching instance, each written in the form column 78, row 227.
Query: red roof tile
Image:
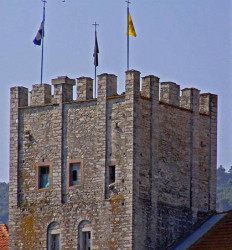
column 4, row 237
column 218, row 237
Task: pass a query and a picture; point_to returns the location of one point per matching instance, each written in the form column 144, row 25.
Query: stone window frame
column 43, row 164
column 53, row 229
column 70, row 161
column 83, row 227
column 86, row 230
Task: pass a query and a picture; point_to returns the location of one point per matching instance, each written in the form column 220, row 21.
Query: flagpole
column 128, row 41
column 95, row 63
column 95, row 82
column 42, row 54
column 95, row 66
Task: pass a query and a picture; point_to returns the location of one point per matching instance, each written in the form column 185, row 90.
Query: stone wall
column 163, row 150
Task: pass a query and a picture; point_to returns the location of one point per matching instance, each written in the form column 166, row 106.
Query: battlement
column 165, row 92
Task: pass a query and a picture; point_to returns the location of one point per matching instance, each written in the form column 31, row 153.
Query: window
column 110, row 179
column 55, row 242
column 111, row 174
column 44, row 177
column 75, row 174
column 53, row 236
column 86, row 237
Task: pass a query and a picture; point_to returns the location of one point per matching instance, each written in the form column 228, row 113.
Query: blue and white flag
column 40, row 34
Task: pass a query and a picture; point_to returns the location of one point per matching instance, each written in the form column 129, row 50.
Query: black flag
column 96, row 51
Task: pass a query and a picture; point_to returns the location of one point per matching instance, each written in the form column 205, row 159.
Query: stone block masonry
column 129, row 171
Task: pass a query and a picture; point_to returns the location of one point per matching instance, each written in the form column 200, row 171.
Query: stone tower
column 129, row 171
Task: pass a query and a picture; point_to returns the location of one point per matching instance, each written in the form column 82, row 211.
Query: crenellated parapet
column 40, row 94
column 165, row 92
column 170, row 93
column 84, row 88
column 63, row 89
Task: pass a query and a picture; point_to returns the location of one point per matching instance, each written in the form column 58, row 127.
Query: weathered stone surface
column 164, row 152
column 84, row 88
column 40, row 94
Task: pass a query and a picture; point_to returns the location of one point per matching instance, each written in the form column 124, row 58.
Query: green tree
column 4, row 202
column 224, row 189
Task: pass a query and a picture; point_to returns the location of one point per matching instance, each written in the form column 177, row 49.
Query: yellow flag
column 131, row 29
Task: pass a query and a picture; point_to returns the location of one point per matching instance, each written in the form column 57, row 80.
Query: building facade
column 129, row 171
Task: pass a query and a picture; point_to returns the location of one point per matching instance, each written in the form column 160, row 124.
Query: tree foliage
column 224, row 189
column 4, row 202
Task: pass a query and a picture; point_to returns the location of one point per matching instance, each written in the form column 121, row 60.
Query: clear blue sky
column 185, row 41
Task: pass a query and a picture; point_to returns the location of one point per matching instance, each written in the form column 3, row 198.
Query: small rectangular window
column 86, row 240
column 44, row 177
column 75, row 174
column 55, row 242
column 111, row 174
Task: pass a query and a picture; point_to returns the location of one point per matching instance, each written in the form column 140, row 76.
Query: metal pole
column 95, row 76
column 128, row 41
column 42, row 55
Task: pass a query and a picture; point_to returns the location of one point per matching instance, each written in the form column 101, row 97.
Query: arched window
column 84, row 235
column 53, row 236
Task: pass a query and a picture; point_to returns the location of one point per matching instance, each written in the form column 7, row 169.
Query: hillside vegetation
column 4, row 202
column 224, row 189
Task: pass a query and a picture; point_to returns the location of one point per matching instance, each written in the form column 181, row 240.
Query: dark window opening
column 111, row 174
column 55, row 240
column 75, row 174
column 86, row 240
column 53, row 236
column 44, row 177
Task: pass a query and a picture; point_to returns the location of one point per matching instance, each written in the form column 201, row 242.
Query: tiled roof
column 219, row 237
column 199, row 231
column 4, row 237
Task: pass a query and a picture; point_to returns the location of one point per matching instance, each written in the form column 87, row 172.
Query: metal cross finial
column 44, row 2
column 128, row 2
column 95, row 24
